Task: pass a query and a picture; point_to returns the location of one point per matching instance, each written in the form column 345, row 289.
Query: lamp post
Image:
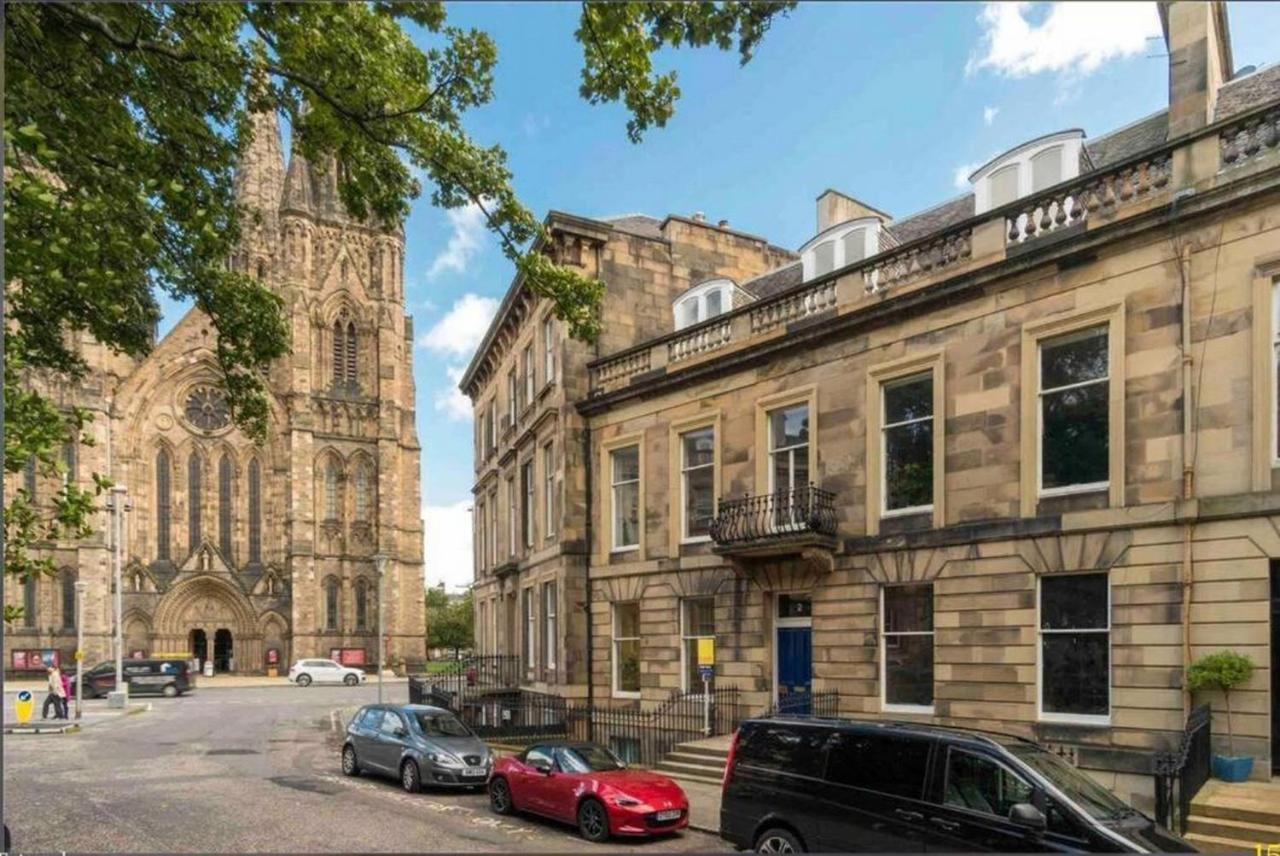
column 81, row 588
column 120, row 696
column 380, row 562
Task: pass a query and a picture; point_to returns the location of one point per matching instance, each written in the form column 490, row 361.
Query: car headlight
column 625, row 802
column 444, row 759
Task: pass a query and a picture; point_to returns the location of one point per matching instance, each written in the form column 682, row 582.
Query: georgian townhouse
column 1006, row 463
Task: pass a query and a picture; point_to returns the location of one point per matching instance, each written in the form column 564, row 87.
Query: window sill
column 1069, row 490
column 696, row 539
column 634, row 548
column 906, row 512
column 918, row 709
column 626, row 694
column 1076, row 719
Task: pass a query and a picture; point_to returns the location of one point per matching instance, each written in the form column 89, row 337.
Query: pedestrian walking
column 66, row 694
column 57, row 696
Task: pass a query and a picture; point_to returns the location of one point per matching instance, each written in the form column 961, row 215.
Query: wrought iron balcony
column 777, row 523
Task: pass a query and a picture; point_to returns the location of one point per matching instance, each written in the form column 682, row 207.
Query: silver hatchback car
column 418, row 744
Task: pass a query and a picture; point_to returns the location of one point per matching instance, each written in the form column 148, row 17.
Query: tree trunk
column 1231, row 738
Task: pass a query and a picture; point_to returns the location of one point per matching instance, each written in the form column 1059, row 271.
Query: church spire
column 297, row 185
column 259, row 178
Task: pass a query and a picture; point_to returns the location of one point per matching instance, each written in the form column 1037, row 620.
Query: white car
column 304, row 673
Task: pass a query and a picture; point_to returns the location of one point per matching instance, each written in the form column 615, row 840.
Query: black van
column 169, row 677
column 794, row 784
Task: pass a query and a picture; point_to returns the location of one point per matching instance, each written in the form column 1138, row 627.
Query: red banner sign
column 352, row 657
column 273, row 656
column 35, row 659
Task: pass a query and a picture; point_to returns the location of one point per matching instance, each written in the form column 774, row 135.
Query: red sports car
column 586, row 784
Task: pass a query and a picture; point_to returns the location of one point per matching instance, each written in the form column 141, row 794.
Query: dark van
column 168, row 677
column 794, row 784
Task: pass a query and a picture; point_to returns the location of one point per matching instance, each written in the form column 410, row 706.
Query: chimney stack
column 835, row 207
column 1199, row 44
column 699, row 216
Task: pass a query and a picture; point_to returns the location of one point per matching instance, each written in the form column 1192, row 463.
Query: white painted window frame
column 1041, row 392
column 697, row 297
column 615, row 647
column 550, row 616
column 1072, row 718
column 886, row 426
column 1274, row 420
column 836, row 235
column 885, row 706
column 1071, row 142
column 685, row 470
column 686, row 637
column 615, row 506
column 530, row 619
column 549, row 491
column 530, row 493
column 549, row 349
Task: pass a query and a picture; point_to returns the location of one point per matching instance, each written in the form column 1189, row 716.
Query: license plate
column 669, row 814
column 475, row 771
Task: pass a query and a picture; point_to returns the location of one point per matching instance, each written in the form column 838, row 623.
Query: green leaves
column 1221, row 670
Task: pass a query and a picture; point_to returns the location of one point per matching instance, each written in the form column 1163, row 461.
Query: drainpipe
column 1188, row 474
column 587, row 534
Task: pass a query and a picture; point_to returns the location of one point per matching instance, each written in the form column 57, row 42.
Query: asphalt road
column 250, row 770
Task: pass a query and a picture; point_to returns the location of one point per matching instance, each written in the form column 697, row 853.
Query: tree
column 450, row 622
column 122, row 127
column 1221, row 670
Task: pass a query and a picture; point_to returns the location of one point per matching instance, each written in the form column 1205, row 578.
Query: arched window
column 339, row 351
column 331, row 491
column 362, row 493
column 68, row 582
column 331, row 604
column 194, row 495
column 255, row 513
column 162, row 505
column 362, row 605
column 375, row 269
column 69, row 463
column 262, row 271
column 29, row 479
column 224, row 506
column 351, row 354
column 29, row 601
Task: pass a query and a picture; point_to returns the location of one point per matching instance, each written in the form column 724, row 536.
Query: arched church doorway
column 199, row 645
column 222, row 651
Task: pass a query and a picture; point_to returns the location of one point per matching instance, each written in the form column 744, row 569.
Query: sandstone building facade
column 1008, row 463
column 244, row 554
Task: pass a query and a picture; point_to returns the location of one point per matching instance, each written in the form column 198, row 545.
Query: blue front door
column 795, row 669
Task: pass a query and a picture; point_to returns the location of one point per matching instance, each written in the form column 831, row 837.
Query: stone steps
column 1235, row 817
column 696, row 762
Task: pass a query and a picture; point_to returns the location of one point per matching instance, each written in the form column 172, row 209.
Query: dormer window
column 703, row 301
column 1029, row 168
column 840, row 245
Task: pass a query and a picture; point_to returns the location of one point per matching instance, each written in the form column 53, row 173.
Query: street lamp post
column 120, row 696
column 380, row 562
column 81, row 588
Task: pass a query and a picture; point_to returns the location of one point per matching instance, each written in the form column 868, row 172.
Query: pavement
column 253, row 769
column 37, row 685
column 704, row 806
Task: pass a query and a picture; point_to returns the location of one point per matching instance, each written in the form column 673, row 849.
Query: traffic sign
column 79, row 656
column 706, row 652
column 706, row 673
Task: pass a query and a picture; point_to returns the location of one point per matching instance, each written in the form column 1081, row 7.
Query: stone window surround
column 550, row 524
column 707, row 419
column 877, row 376
column 1113, row 316
column 529, row 629
column 550, row 626
column 807, row 394
column 1266, row 339
column 606, row 506
column 1072, row 718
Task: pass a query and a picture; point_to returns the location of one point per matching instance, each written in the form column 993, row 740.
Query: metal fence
column 772, row 516
column 820, row 704
column 1183, row 771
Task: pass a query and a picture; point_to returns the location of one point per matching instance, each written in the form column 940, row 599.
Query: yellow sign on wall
column 706, row 652
column 23, row 706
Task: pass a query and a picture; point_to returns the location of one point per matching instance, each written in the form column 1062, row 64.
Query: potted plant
column 1224, row 670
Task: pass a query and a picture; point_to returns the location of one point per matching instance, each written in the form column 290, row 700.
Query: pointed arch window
column 345, row 350
column 29, row 601
column 339, row 351
column 194, row 496
column 255, row 512
column 68, row 582
column 29, row 479
column 163, row 505
column 69, row 463
column 362, row 493
column 351, row 354
column 224, row 506
column 331, row 491
column 362, row 605
column 331, row 604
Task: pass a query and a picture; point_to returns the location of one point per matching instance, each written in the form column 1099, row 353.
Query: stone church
column 254, row 555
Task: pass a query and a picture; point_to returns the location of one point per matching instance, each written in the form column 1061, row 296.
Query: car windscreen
column 441, row 725
column 588, row 759
column 1099, row 802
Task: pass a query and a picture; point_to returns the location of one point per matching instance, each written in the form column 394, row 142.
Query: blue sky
column 887, row 102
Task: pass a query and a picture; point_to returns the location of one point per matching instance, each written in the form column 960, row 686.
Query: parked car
column 587, row 785
column 795, row 784
column 167, row 677
column 304, row 673
column 417, row 743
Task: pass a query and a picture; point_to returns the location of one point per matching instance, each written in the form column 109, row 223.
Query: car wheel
column 500, row 797
column 778, row 840
column 304, row 680
column 350, row 765
column 169, row 691
column 593, row 822
column 410, row 779
column 351, row 680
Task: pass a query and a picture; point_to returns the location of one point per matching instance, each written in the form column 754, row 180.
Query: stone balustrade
column 1256, row 136
column 792, row 306
column 1094, row 194
column 916, row 260
column 615, row 372
column 699, row 341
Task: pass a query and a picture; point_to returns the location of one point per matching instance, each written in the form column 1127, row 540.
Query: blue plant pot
column 1232, row 769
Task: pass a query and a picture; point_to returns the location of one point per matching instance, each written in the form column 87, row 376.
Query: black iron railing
column 775, row 516
column 466, row 677
column 1183, row 771
column 822, row 704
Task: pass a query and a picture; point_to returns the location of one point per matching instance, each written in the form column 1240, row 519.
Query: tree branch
column 98, row 25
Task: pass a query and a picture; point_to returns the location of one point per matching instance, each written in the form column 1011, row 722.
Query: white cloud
column 989, row 115
column 961, row 176
column 1072, row 39
column 451, row 401
column 447, row 544
column 460, row 330
column 468, row 225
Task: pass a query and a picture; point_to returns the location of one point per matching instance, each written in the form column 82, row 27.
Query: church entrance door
column 222, row 659
column 199, row 645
